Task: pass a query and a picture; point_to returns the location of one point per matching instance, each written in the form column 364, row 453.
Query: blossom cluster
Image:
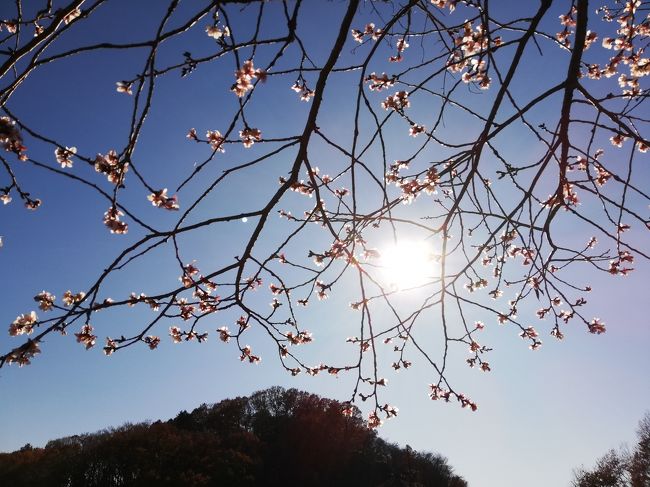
column 217, row 32
column 45, row 300
column 398, row 102
column 23, row 324
column 630, row 31
column 379, row 82
column 469, row 44
column 303, row 90
column 412, row 187
column 244, row 77
column 23, row 355
column 10, row 137
column 566, row 196
column 298, row 338
column 247, row 354
column 64, row 156
column 401, row 46
column 160, row 199
column 249, row 136
column 86, row 337
column 113, row 222
column 110, row 165
column 368, row 31
column 451, row 4
column 436, row 392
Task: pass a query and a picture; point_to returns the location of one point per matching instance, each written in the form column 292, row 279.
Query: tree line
column 623, row 467
column 273, row 437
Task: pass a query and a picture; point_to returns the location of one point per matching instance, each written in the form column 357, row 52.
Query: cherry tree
column 425, row 176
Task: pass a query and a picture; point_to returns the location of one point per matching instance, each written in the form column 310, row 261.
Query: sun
column 407, row 264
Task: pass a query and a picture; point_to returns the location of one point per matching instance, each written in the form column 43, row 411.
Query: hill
column 274, row 437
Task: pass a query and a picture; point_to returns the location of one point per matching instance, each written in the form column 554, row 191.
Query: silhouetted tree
column 621, row 468
column 640, row 461
column 413, row 106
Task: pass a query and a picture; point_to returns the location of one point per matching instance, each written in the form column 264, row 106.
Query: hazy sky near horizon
column 540, row 414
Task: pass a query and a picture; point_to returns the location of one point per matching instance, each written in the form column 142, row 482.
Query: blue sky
column 540, row 413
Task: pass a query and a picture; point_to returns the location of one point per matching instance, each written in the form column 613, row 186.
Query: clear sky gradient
column 541, row 413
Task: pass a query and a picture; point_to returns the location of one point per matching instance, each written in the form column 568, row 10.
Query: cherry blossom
column 214, row 137
column 45, row 300
column 124, row 87
column 244, row 78
column 160, row 199
column 398, row 102
column 23, row 324
column 596, row 326
column 249, row 136
column 23, row 355
column 64, row 156
column 217, row 32
column 86, row 337
column 430, row 160
column 111, row 166
column 70, row 299
column 113, row 222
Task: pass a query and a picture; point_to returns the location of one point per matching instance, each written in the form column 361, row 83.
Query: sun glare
column 407, row 264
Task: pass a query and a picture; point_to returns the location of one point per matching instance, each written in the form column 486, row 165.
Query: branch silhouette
column 416, row 117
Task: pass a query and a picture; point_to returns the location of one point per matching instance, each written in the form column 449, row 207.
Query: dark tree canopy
column 622, row 468
column 275, row 437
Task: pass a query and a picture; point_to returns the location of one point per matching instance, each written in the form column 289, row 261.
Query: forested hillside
column 274, row 437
